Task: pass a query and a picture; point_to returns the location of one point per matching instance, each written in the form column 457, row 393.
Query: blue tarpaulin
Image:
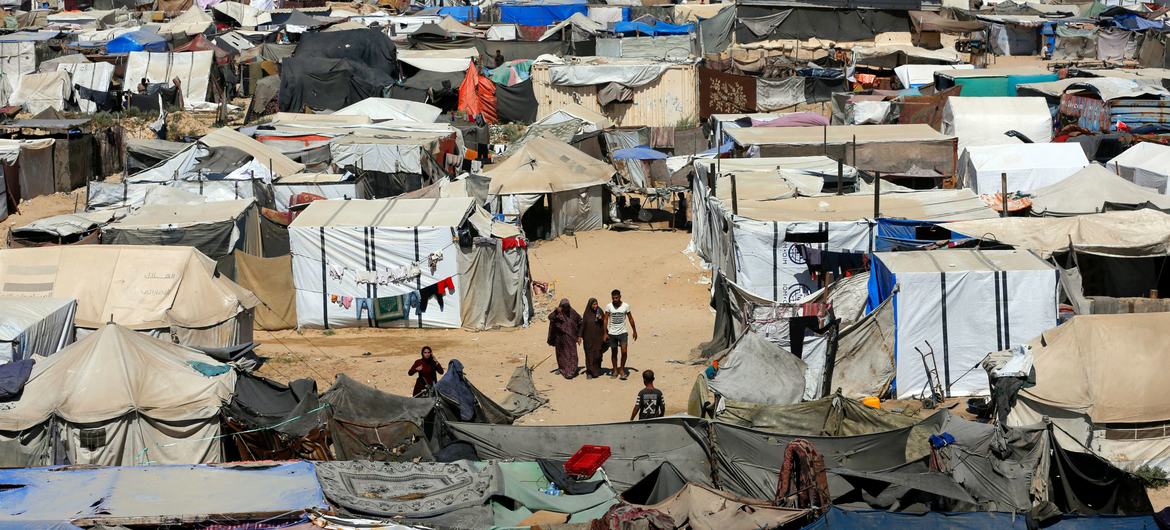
column 41, row 497
column 838, row 519
column 137, row 41
column 540, row 14
column 461, row 13
column 659, row 28
column 641, row 152
column 907, row 234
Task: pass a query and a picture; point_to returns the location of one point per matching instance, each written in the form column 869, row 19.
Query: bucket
column 872, row 401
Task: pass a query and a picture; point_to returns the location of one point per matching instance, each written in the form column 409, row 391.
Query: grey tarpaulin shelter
column 214, row 228
column 118, row 397
column 892, row 149
column 572, row 180
column 34, row 326
column 175, row 292
column 368, row 424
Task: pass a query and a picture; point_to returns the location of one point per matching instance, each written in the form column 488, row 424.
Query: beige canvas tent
column 167, row 290
column 1125, row 234
column 572, row 181
column 118, row 397
column 1101, row 380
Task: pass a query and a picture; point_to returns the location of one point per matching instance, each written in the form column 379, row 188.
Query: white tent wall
column 34, row 326
column 37, row 92
column 1028, row 166
column 282, row 193
column 984, row 120
column 768, row 266
column 1152, row 178
column 192, row 68
column 1152, row 158
column 961, row 315
column 16, row 60
column 93, row 76
column 327, row 261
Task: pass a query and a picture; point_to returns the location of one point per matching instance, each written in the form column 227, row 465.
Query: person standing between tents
column 500, row 59
column 483, row 137
column 593, row 338
column 619, row 323
column 649, row 403
column 427, row 369
column 564, row 327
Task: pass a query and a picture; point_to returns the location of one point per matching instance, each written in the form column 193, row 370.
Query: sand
column 666, row 289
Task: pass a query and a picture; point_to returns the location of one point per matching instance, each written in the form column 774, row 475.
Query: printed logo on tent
column 795, row 292
column 794, row 255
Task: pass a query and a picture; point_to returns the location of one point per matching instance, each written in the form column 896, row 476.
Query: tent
column 93, row 80
column 573, row 182
column 917, row 75
column 362, row 419
column 1144, row 164
column 1028, row 166
column 34, row 326
column 1098, row 377
column 193, row 69
column 118, row 397
column 165, row 290
column 62, row 497
column 1123, row 234
column 984, row 121
column 38, row 92
column 330, row 70
column 382, row 109
column 884, row 148
column 984, row 82
column 399, row 263
column 137, row 41
column 272, row 421
column 392, row 163
column 545, row 13
column 327, row 185
column 215, row 229
column 1093, row 190
column 754, row 370
column 961, row 304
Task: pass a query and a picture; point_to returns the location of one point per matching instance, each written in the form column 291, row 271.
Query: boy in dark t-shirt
column 649, row 403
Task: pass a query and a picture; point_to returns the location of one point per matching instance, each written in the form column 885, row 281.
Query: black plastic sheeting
column 516, row 103
column 331, row 70
column 368, row 424
column 829, row 24
column 1085, row 484
column 262, row 403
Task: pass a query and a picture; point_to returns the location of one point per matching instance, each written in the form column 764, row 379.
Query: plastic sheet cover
column 193, row 69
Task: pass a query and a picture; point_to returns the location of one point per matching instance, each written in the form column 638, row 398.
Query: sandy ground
column 666, row 289
column 41, row 207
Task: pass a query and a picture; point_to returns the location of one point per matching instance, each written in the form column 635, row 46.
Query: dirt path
column 665, row 287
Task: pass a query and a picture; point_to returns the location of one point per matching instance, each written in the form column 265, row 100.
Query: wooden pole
column 734, row 196
column 877, row 194
column 1003, row 193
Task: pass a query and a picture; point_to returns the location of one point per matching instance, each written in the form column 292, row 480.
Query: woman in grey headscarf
column 564, row 329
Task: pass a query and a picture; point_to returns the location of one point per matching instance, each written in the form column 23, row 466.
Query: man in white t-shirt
column 619, row 323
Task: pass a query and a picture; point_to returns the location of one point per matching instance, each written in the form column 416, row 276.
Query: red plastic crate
column 587, row 460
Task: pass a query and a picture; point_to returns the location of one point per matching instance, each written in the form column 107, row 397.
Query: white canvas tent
column 916, row 75
column 327, row 185
column 34, row 326
column 384, row 263
column 192, row 68
column 118, row 398
column 571, row 179
column 37, row 92
column 92, row 76
column 984, row 120
column 382, row 109
column 1145, row 164
column 1101, row 380
column 165, row 290
column 1089, row 190
column 964, row 304
column 1028, row 166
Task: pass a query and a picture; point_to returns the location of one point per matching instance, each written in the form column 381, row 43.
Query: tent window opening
column 92, row 439
column 1135, row 431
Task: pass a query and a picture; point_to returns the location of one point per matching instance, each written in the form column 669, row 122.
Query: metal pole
column 877, row 194
column 1003, row 193
column 840, row 175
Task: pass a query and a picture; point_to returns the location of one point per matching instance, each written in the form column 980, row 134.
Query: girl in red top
column 426, row 368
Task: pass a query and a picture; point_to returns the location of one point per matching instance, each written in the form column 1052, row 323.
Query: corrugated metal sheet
column 670, row 101
column 662, row 47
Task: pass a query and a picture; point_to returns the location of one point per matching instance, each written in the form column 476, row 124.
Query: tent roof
column 961, row 260
column 265, row 154
column 1021, row 156
column 756, row 371
column 1137, row 233
column 1146, row 155
column 836, row 135
column 388, row 213
column 116, row 370
column 18, row 313
column 168, row 216
column 992, row 72
column 1109, row 367
column 313, row 178
column 323, row 120
column 938, row 205
column 546, row 165
column 379, row 109
column 1109, row 88
column 1087, row 191
column 140, row 286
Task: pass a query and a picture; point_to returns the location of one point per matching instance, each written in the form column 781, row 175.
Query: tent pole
column 734, row 196
column 1003, row 193
column 840, row 175
column 877, row 195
